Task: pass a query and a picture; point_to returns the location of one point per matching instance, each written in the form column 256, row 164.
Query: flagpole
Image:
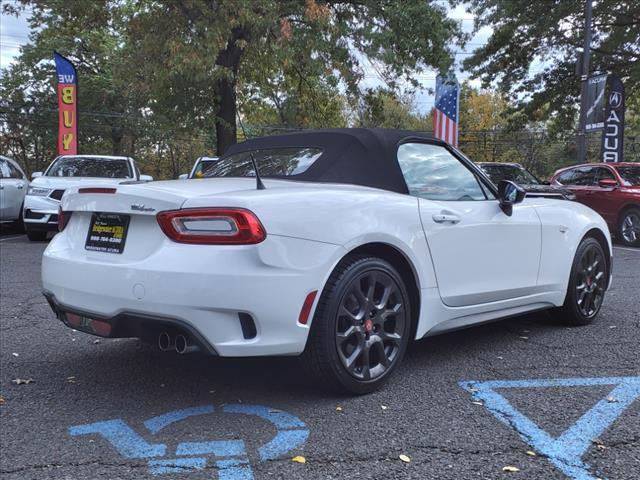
column 582, row 135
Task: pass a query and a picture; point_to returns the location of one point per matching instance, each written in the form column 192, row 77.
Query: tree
column 532, row 50
column 291, row 101
column 196, row 55
column 383, row 108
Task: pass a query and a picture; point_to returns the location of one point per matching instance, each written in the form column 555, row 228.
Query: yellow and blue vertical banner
column 67, row 78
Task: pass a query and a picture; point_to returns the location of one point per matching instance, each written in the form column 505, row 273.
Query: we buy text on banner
column 67, row 106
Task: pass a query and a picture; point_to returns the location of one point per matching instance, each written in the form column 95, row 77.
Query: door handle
column 445, row 218
column 20, row 187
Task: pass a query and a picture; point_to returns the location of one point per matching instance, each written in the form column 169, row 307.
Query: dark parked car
column 612, row 190
column 515, row 172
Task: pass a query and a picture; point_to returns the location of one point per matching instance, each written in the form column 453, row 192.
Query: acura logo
column 615, row 99
column 141, row 207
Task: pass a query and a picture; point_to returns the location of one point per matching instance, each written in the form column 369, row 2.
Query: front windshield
column 273, row 162
column 630, row 175
column 509, row 172
column 90, row 167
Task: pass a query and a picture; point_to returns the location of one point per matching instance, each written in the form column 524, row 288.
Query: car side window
column 566, row 178
column 432, row 172
column 4, row 170
column 584, row 176
column 14, row 172
column 604, row 173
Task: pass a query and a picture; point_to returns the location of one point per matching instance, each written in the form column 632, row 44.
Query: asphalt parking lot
column 563, row 402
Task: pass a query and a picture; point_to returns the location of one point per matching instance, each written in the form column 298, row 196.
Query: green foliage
column 204, row 54
column 532, row 50
column 165, row 80
column 383, row 108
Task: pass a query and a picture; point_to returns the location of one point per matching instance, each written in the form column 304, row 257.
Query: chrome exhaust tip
column 165, row 342
column 182, row 345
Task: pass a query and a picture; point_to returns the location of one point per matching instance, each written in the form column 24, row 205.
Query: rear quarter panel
column 342, row 215
column 564, row 224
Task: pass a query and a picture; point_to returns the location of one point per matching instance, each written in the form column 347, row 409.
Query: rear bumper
column 129, row 324
column 212, row 292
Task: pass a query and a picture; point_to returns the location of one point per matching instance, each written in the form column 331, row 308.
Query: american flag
column 445, row 116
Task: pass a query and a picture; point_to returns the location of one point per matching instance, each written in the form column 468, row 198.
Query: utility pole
column 584, row 76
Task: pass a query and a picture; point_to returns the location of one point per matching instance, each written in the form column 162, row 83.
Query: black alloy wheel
column 591, row 283
column 587, row 284
column 361, row 326
column 629, row 228
column 370, row 325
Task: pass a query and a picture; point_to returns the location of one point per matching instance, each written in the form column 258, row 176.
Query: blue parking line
column 230, row 456
column 123, row 438
column 234, row 469
column 283, row 442
column 176, row 465
column 565, row 451
column 219, row 448
column 155, row 424
column 278, row 418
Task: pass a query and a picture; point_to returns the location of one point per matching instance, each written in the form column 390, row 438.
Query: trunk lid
column 153, row 197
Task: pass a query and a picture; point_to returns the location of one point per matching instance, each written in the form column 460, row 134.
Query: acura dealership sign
column 613, row 132
column 595, row 102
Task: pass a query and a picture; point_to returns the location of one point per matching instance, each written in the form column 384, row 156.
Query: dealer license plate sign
column 107, row 232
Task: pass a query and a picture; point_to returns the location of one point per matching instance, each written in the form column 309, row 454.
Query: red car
column 612, row 190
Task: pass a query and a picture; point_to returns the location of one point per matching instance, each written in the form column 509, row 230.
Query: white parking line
column 10, row 238
column 637, row 250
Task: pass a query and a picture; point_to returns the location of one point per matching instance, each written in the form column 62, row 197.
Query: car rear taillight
column 212, row 226
column 63, row 218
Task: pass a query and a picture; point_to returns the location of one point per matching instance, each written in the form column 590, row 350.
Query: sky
column 14, row 32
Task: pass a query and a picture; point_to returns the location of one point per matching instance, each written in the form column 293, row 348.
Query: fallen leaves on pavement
column 299, row 459
column 510, row 469
column 22, row 381
column 404, row 458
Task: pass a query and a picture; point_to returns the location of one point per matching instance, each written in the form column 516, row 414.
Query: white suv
column 45, row 192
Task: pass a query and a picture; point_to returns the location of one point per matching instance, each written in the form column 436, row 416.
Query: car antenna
column 259, row 184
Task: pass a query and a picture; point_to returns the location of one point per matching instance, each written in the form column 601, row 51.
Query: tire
column 587, row 285
column 629, row 227
column 358, row 337
column 19, row 224
column 36, row 235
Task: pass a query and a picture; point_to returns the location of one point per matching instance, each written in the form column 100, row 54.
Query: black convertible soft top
column 359, row 156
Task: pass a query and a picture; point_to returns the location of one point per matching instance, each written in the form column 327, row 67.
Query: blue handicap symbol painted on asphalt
column 565, row 451
column 230, row 456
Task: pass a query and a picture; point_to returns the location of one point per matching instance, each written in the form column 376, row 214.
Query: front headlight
column 39, row 191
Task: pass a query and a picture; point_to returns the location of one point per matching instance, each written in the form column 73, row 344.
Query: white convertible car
column 349, row 244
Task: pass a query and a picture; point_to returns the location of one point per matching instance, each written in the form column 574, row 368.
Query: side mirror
column 36, row 174
column 146, row 178
column 183, row 176
column 608, row 183
column 509, row 193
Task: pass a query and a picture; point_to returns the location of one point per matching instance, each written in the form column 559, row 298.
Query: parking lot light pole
column 584, row 76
